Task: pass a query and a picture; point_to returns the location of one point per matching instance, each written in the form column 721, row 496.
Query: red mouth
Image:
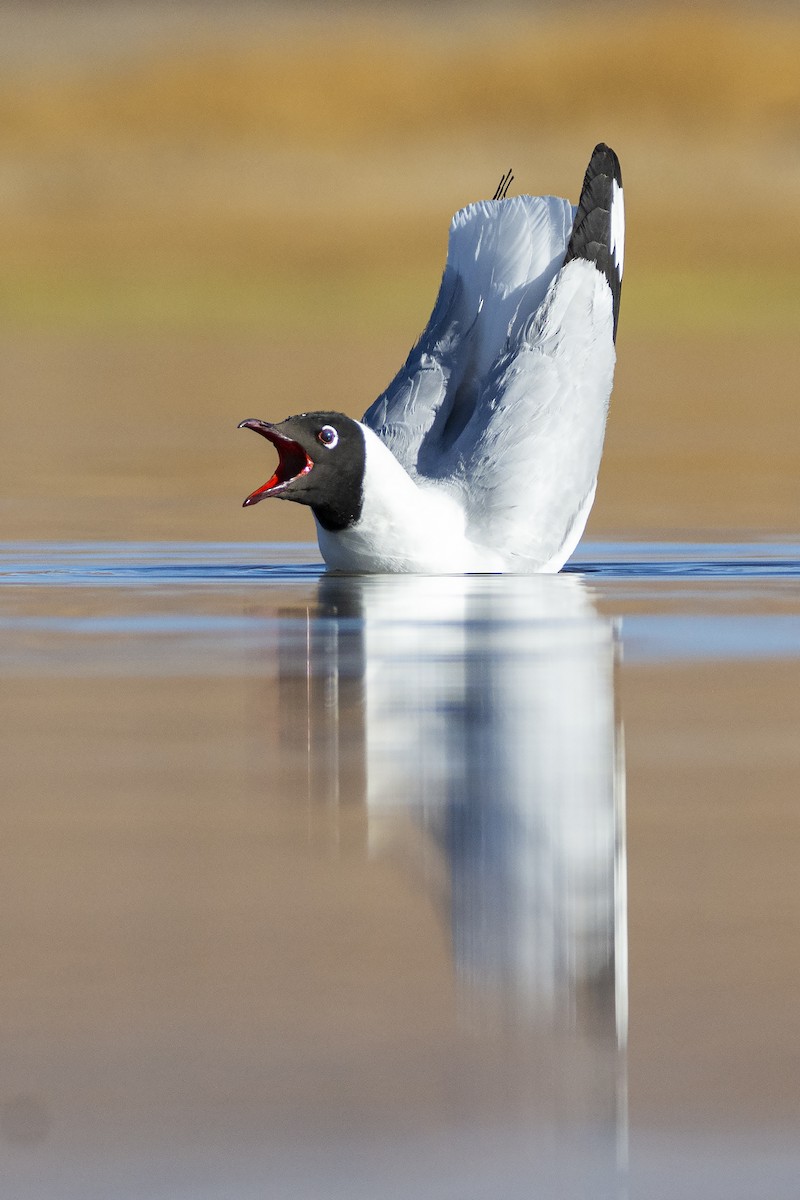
column 293, row 461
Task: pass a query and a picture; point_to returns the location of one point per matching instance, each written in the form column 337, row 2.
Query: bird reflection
column 482, row 710
column 474, row 718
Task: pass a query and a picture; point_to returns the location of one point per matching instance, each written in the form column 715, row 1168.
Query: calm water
column 461, row 887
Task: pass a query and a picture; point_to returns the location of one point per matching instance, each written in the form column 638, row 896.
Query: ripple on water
column 95, row 564
column 213, row 608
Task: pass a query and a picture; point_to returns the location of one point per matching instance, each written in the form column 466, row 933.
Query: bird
column 482, row 454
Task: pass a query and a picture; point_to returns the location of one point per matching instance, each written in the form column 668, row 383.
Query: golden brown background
column 210, row 212
column 215, row 211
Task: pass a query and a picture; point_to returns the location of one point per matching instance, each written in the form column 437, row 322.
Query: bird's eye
column 328, row 436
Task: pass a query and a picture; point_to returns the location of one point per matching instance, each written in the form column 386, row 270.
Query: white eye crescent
column 328, row 436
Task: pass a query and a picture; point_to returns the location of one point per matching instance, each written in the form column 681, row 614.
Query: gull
column 482, row 454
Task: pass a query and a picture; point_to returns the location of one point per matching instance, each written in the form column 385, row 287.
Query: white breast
column 404, row 526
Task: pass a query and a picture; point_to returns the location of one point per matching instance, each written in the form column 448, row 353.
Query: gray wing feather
column 405, row 413
column 527, row 461
column 502, row 255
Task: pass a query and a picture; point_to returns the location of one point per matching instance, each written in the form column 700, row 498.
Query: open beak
column 293, row 461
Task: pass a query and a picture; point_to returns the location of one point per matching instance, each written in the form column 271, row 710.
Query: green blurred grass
column 712, row 300
column 282, row 304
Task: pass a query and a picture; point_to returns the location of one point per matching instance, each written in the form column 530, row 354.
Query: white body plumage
column 483, row 452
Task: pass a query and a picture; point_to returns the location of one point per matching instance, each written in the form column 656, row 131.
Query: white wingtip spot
column 617, row 226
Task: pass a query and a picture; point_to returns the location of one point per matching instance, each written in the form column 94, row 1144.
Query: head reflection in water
column 481, row 711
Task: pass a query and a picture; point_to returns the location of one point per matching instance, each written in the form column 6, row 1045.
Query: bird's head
column 321, row 458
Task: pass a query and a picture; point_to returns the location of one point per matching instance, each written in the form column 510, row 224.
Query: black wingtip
column 603, row 162
column 598, row 231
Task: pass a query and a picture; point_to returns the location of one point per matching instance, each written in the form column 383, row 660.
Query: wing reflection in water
column 475, row 719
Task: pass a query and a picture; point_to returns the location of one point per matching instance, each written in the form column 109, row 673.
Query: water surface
column 322, row 886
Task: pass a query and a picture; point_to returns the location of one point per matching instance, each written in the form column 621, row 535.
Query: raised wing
column 501, row 257
column 527, row 460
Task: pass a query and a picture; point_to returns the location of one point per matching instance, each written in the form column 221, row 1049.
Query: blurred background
column 210, row 212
